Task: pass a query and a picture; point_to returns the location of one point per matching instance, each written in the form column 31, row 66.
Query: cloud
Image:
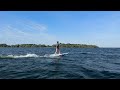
column 37, row 26
column 31, row 25
column 23, row 31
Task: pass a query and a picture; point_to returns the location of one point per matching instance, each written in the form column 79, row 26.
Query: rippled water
column 80, row 63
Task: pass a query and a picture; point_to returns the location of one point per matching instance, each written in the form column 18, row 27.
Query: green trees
column 78, row 45
column 4, row 45
column 54, row 45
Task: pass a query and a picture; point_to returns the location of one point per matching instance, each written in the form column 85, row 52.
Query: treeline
column 43, row 45
column 77, row 45
column 24, row 45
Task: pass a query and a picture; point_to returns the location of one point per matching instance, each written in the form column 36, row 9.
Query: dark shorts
column 57, row 47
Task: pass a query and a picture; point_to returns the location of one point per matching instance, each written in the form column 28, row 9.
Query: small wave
column 19, row 56
column 87, row 53
column 112, row 54
column 83, row 53
column 26, row 56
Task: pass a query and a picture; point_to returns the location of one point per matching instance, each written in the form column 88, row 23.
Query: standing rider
column 57, row 48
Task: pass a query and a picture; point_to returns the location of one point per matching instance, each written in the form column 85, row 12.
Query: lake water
column 80, row 63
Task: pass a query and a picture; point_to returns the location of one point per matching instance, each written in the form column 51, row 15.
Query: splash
column 31, row 56
column 55, row 55
column 19, row 56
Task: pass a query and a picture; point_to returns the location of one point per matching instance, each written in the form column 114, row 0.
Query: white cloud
column 25, row 32
column 37, row 26
column 29, row 26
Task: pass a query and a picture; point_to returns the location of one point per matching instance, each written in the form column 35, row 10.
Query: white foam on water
column 33, row 56
column 25, row 56
column 54, row 55
column 19, row 56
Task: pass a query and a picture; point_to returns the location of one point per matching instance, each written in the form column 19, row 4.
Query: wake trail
column 29, row 56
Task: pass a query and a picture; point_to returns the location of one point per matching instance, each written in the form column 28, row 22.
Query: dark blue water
column 80, row 63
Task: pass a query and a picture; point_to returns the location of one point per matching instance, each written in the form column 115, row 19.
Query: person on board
column 57, row 48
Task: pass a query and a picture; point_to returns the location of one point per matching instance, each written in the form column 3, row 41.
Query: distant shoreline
column 68, row 45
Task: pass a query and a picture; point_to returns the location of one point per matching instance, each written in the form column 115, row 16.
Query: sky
column 101, row 28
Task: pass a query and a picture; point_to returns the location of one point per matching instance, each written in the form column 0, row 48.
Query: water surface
column 80, row 63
